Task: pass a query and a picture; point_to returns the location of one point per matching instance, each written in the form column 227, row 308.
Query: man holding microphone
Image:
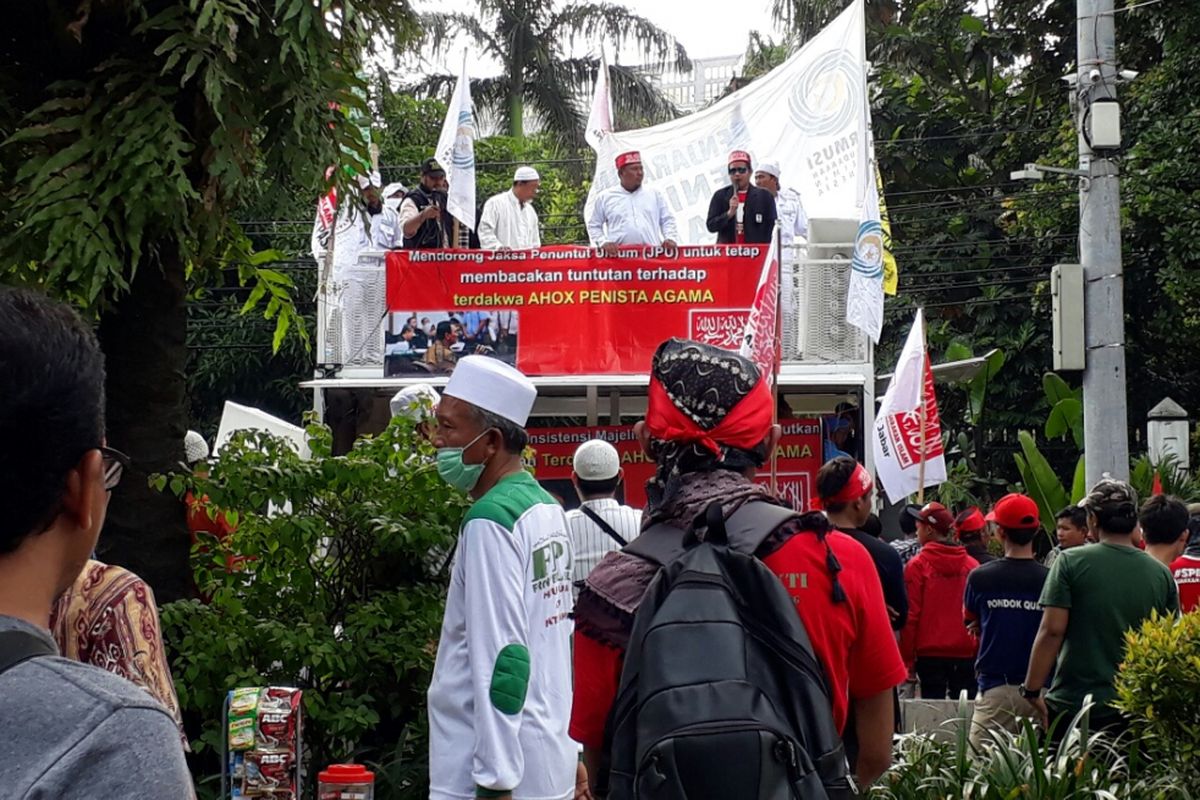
column 741, row 213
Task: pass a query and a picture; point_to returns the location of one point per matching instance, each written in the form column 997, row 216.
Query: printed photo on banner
column 433, row 341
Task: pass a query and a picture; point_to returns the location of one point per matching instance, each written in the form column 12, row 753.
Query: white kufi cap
column 494, row 386
column 526, row 174
column 392, row 188
column 769, row 167
column 194, row 447
column 418, row 402
column 596, row 460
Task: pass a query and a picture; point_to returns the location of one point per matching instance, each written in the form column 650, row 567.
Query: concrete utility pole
column 1106, row 431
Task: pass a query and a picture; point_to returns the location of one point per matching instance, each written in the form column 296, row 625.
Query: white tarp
column 243, row 418
column 807, row 115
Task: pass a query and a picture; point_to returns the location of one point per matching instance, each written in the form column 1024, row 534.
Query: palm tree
column 531, row 40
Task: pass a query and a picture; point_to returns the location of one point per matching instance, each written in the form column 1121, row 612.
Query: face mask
column 456, row 472
column 393, row 203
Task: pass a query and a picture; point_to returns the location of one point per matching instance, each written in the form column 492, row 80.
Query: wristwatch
column 1029, row 694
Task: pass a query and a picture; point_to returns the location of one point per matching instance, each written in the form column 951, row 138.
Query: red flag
column 760, row 343
column 1157, row 487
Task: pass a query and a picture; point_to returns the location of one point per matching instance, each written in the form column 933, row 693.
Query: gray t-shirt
column 69, row 731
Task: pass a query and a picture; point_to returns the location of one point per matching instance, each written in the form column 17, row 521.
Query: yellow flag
column 891, row 272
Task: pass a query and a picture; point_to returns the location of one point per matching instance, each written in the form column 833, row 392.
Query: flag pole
column 775, row 358
column 924, row 406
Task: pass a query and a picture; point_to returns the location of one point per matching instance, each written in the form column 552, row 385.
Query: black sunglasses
column 738, row 170
column 115, row 464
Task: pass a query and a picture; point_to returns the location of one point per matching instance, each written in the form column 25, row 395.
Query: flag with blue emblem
column 456, row 151
column 864, row 297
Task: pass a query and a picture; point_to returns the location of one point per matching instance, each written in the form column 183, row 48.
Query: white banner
column 806, row 115
column 599, row 122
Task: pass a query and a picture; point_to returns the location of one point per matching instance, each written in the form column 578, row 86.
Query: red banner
column 576, row 312
column 797, row 460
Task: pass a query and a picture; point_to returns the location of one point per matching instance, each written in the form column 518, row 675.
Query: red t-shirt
column 740, row 236
column 1186, row 571
column 853, row 640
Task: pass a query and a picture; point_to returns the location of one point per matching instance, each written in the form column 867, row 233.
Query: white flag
column 760, row 342
column 599, row 122
column 898, row 438
column 456, row 151
column 864, row 294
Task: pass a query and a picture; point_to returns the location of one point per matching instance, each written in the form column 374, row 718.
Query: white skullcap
column 769, row 167
column 596, row 460
column 494, row 386
column 418, row 402
column 526, row 174
column 194, row 447
column 392, row 188
column 374, row 179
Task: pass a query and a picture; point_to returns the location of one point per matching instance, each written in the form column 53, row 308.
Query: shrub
column 1020, row 766
column 340, row 594
column 1158, row 685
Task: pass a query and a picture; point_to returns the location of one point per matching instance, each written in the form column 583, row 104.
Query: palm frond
column 550, row 92
column 438, row 87
column 803, row 19
column 618, row 24
column 440, row 29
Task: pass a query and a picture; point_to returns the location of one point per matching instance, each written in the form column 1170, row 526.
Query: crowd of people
column 608, row 651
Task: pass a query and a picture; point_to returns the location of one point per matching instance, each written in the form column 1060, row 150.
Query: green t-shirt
column 1109, row 589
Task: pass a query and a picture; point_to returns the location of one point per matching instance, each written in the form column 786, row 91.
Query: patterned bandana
column 708, row 409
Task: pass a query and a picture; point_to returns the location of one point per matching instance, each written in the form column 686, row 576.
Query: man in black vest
column 423, row 210
column 741, row 213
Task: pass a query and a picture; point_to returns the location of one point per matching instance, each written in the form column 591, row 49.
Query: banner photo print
column 578, row 312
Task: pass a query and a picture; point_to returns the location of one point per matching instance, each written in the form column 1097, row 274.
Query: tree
column 531, row 40
column 131, row 129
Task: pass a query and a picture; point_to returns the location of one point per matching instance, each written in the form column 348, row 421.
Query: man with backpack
column 663, row 702
column 600, row 524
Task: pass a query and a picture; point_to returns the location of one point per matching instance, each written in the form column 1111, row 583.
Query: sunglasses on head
column 115, row 464
column 738, row 170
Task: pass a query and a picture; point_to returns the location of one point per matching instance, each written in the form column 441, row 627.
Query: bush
column 340, row 594
column 1020, row 766
column 1158, row 685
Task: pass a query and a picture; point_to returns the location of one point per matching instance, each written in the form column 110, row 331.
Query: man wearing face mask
column 386, row 231
column 500, row 697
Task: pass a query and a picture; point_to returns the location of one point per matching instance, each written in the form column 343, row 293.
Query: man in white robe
column 509, row 221
column 631, row 214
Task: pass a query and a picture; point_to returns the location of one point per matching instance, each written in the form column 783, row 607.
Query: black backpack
column 721, row 696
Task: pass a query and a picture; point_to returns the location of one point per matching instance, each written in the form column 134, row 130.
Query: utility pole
column 1105, row 418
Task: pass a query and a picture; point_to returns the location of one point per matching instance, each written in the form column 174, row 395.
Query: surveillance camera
column 1094, row 75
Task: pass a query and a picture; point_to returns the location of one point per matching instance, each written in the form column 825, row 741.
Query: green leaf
column 1066, row 418
column 1040, row 481
column 957, row 351
column 1056, row 388
column 971, row 24
column 1079, row 484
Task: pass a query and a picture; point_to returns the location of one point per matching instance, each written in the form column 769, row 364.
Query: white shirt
column 793, row 222
column 386, row 231
column 589, row 544
column 506, row 222
column 637, row 217
column 510, row 589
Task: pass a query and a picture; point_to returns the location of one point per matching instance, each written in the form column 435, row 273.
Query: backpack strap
column 659, row 544
column 604, row 526
column 750, row 525
column 17, row 647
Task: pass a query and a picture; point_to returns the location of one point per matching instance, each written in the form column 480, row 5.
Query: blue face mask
column 456, row 472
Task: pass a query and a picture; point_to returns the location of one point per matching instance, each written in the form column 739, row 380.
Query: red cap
column 936, row 516
column 970, row 520
column 346, row 774
column 1016, row 511
column 739, row 155
column 625, row 159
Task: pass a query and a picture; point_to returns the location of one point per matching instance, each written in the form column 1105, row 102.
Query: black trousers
column 943, row 678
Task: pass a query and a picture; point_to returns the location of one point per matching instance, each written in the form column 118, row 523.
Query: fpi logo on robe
column 829, row 94
column 551, row 561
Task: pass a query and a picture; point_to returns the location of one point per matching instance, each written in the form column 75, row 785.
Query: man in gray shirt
column 68, row 731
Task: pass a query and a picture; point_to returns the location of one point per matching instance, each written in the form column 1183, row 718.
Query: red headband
column 745, row 426
column 859, row 485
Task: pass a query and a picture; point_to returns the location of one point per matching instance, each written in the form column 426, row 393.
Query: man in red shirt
column 935, row 640
column 1186, row 568
column 830, row 576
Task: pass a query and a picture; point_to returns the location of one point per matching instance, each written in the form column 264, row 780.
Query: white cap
column 769, row 167
column 596, row 460
column 526, row 174
column 194, row 447
column 418, row 402
column 391, row 189
column 373, row 179
column 494, row 386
